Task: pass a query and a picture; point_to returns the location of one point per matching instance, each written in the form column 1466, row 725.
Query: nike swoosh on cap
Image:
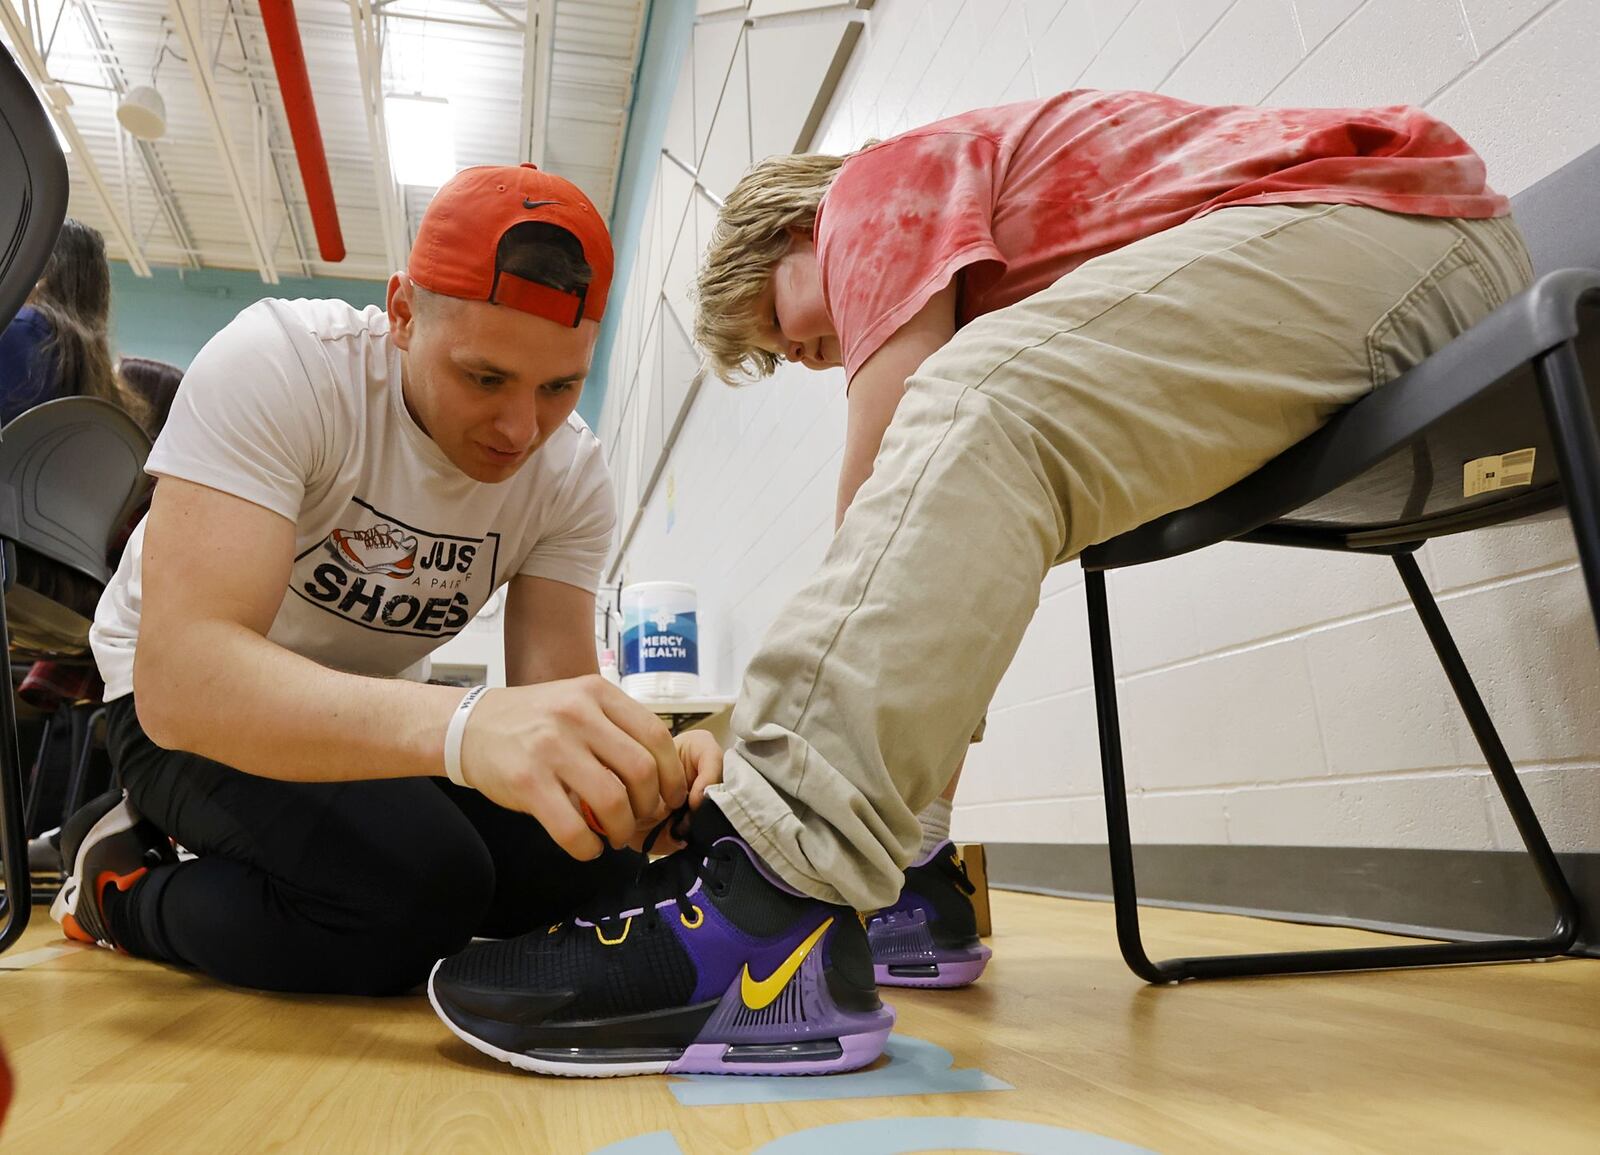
column 757, row 995
column 527, row 204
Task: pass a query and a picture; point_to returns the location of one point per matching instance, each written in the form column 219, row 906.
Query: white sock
column 935, row 820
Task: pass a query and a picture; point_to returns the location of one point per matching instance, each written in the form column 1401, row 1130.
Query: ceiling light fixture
column 143, row 113
column 422, row 138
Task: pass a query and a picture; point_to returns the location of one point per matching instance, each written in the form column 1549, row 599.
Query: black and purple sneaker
column 929, row 937
column 706, row 964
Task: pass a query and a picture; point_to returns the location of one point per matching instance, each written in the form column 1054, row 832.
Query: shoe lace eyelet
column 699, row 917
column 601, row 934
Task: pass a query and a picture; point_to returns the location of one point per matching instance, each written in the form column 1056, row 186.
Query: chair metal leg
column 1571, row 421
column 1565, row 932
column 1124, row 890
column 87, row 721
column 34, row 789
column 1125, row 893
column 17, row 904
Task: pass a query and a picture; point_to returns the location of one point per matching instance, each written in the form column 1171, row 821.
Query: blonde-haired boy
column 1063, row 339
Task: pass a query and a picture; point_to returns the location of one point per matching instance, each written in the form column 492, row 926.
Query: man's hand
column 702, row 767
column 542, row 749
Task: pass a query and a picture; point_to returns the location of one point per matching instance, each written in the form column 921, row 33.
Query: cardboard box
column 972, row 857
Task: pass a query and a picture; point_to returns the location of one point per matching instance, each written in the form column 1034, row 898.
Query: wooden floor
column 111, row 1054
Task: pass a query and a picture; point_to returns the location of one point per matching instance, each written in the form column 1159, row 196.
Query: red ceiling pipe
column 289, row 59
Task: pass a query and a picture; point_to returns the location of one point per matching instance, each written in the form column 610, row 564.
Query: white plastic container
column 660, row 641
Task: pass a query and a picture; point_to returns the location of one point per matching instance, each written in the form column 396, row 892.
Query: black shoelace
column 671, row 876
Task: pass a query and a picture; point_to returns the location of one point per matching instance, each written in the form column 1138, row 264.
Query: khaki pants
column 1144, row 381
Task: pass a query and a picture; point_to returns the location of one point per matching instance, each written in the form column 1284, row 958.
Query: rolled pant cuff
column 768, row 838
column 758, row 834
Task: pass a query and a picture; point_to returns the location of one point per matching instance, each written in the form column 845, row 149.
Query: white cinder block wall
column 1269, row 696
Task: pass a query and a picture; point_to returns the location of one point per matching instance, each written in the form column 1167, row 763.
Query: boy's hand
column 702, row 763
column 702, row 767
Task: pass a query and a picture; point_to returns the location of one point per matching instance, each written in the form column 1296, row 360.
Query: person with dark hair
column 339, row 491
column 56, row 346
column 155, row 384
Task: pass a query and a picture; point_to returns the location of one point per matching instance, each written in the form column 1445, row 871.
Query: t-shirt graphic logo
column 382, row 549
column 378, row 572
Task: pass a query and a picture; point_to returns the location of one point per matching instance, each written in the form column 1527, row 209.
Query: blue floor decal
column 902, row 1136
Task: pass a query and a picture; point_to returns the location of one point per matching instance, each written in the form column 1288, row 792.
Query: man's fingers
column 597, row 786
column 650, row 732
column 556, row 812
column 633, row 766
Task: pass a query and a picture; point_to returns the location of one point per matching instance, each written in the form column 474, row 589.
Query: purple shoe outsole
column 947, row 973
column 709, row 1058
column 903, row 941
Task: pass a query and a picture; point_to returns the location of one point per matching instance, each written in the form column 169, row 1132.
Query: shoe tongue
column 708, row 824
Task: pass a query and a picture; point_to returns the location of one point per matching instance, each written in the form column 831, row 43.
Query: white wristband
column 456, row 731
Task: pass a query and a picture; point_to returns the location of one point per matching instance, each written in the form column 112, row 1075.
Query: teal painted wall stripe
column 668, row 28
column 170, row 315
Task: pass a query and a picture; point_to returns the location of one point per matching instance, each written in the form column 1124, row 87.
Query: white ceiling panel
column 174, row 193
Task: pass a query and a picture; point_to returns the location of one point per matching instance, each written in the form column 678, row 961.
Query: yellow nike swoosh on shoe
column 758, row 994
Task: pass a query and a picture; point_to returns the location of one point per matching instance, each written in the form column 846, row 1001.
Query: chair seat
column 49, row 607
column 1389, row 469
column 41, row 628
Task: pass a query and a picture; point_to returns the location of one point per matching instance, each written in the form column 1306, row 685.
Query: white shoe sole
column 542, row 1066
column 119, row 819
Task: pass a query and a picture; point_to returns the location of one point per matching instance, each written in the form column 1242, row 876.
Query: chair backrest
column 1560, row 216
column 33, row 189
column 71, row 472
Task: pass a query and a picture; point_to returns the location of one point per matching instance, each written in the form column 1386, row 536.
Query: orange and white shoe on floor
column 107, row 844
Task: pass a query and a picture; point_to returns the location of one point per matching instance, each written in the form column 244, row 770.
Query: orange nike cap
column 454, row 253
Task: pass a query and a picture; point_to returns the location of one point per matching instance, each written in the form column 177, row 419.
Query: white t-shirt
column 296, row 406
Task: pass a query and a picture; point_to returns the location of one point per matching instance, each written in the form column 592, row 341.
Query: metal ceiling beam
column 186, row 20
column 56, row 101
column 627, row 105
column 369, row 64
column 538, row 49
column 510, row 19
column 154, row 174
column 256, row 76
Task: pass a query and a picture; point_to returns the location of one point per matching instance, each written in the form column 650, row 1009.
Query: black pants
column 333, row 887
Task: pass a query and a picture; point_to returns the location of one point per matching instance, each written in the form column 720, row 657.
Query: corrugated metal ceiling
column 174, row 197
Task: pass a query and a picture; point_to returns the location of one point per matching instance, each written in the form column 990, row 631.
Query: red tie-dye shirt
column 1011, row 199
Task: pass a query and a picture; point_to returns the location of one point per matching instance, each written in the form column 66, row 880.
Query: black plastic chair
column 71, row 477
column 1384, row 476
column 33, row 203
